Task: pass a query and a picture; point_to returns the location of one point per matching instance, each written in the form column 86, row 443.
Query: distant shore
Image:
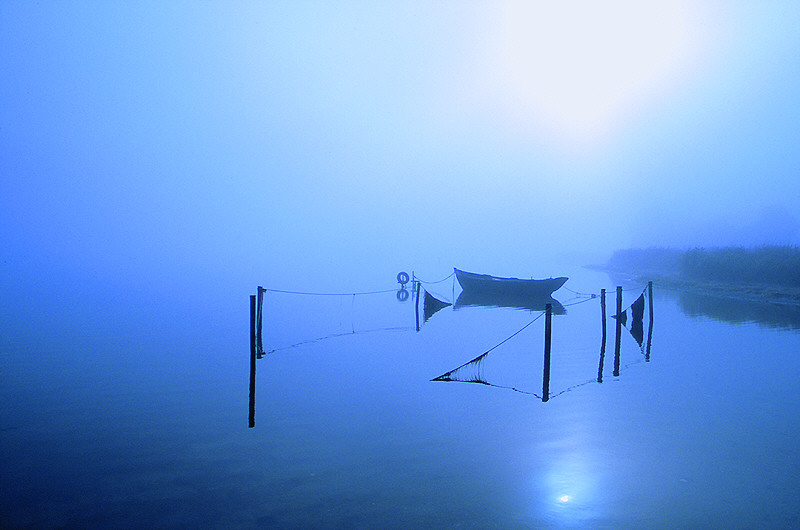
column 769, row 274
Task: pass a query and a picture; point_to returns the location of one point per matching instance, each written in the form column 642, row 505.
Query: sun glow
column 584, row 67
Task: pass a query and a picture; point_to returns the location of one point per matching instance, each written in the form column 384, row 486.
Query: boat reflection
column 470, row 299
column 509, row 300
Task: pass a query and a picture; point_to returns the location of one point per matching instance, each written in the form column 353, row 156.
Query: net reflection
column 634, row 319
column 517, row 367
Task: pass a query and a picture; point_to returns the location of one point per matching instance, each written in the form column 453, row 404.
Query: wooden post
column 548, row 312
column 259, row 319
column 417, row 305
column 603, row 339
column 619, row 331
column 650, row 325
column 252, row 361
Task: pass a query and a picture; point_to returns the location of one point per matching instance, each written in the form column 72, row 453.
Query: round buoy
column 402, row 294
column 402, row 278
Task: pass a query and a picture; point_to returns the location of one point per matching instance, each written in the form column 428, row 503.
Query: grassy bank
column 768, row 273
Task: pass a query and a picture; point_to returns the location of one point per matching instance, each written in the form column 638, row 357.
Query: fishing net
column 580, row 353
column 294, row 319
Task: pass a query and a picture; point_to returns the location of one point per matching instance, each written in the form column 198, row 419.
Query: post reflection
column 473, row 371
column 632, row 319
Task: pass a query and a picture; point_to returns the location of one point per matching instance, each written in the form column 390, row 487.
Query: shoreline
column 750, row 292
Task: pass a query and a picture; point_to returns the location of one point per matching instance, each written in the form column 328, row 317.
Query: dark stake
column 252, row 360
column 603, row 338
column 259, row 319
column 548, row 318
column 417, row 305
column 650, row 325
column 619, row 330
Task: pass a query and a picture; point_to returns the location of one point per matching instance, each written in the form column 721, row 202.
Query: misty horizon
column 282, row 137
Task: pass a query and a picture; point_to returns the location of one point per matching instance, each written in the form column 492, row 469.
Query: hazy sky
column 161, row 138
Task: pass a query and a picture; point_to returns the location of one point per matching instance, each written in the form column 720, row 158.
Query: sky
column 184, row 141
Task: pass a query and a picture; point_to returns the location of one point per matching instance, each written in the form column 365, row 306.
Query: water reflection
column 569, row 489
column 338, row 317
column 508, row 300
column 426, row 305
column 729, row 309
column 493, row 299
column 737, row 311
column 431, row 305
column 632, row 318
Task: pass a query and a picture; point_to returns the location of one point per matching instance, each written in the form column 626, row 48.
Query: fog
column 161, row 159
column 278, row 142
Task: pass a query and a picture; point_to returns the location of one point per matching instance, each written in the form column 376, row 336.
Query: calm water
column 129, row 410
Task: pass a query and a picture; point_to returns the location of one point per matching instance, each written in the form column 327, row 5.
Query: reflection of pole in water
column 619, row 330
column 650, row 325
column 548, row 312
column 603, row 339
column 252, row 361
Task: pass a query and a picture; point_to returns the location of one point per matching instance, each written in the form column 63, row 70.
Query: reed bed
column 765, row 265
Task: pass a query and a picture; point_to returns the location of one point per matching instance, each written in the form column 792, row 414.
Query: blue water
column 131, row 410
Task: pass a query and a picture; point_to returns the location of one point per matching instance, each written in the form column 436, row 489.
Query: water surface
column 132, row 409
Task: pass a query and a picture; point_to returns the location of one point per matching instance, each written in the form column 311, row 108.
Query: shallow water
column 132, row 410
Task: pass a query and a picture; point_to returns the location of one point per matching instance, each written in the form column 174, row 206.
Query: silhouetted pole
column 650, row 325
column 252, row 360
column 417, row 306
column 603, row 339
column 259, row 318
column 548, row 317
column 619, row 330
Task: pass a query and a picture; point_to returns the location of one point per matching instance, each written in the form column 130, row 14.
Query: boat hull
column 483, row 284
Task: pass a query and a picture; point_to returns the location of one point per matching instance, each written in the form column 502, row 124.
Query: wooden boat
column 492, row 286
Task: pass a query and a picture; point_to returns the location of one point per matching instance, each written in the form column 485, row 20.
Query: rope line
column 330, row 294
column 515, row 389
column 345, row 334
column 573, row 387
column 644, row 292
column 513, row 334
column 578, row 302
column 484, row 354
column 439, row 281
column 592, row 295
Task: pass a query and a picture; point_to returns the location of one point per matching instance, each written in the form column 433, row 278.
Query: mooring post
column 252, row 360
column 619, row 330
column 603, row 338
column 650, row 325
column 259, row 319
column 417, row 305
column 603, row 316
column 548, row 317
